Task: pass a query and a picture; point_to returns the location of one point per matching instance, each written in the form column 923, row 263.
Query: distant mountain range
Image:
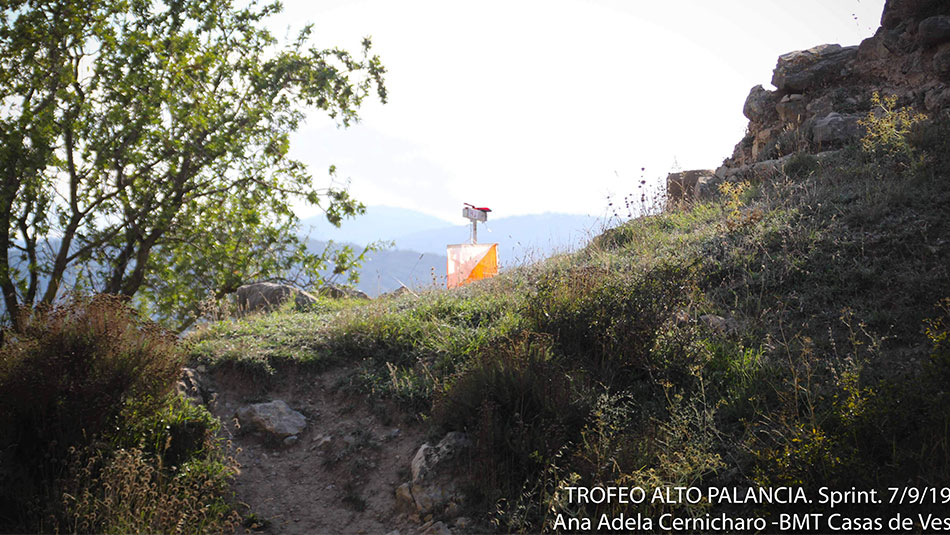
column 420, row 240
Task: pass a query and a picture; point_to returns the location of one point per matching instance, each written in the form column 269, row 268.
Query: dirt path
column 339, row 476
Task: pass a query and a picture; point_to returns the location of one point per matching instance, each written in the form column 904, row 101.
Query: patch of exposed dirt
column 341, row 473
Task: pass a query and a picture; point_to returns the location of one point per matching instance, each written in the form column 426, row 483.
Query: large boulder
column 806, row 69
column 791, row 109
column 265, row 296
column 759, row 104
column 274, row 418
column 836, row 129
column 933, row 31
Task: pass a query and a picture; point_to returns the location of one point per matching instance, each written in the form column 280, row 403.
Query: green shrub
column 611, row 323
column 520, row 408
column 886, row 130
column 70, row 376
column 127, row 493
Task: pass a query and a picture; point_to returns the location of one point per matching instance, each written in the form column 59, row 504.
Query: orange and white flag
column 471, row 262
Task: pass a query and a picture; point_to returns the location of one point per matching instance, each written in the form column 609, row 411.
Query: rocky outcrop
column 266, row 296
column 683, row 186
column 804, row 70
column 821, row 93
column 274, row 418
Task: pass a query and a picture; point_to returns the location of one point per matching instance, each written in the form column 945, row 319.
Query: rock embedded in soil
column 275, row 418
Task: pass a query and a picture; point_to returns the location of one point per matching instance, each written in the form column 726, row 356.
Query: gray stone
column 433, row 469
column 837, row 129
column 806, row 69
column 937, row 98
column 266, row 296
column 275, row 418
column 934, row 31
column 759, row 104
column 708, row 186
column 335, row 291
column 941, row 61
column 291, row 440
column 820, row 106
column 791, row 109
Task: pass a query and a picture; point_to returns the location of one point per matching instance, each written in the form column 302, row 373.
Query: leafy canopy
column 144, row 149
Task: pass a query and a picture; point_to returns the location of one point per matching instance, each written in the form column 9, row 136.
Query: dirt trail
column 340, row 475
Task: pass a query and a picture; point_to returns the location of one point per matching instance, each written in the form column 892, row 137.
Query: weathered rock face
column 934, row 31
column 808, row 69
column 760, row 104
column 836, row 129
column 274, row 418
column 822, row 92
column 264, row 296
column 682, row 186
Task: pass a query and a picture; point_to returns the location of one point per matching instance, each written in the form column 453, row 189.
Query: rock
column 291, row 440
column 404, row 501
column 934, row 31
column 452, row 510
column 275, row 418
column 437, row 528
column 759, row 104
column 191, row 386
column 708, row 186
column 941, row 62
column 820, row 106
column 393, row 532
column 897, row 12
column 433, row 470
column 682, row 186
column 265, row 296
column 402, row 290
column 462, row 522
column 764, row 140
column 335, row 291
column 791, row 108
column 806, row 69
column 937, row 98
column 836, row 129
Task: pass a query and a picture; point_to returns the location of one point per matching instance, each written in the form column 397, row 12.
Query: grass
column 829, row 279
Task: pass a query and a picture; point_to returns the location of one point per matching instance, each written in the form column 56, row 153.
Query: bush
column 520, row 407
column 71, row 376
column 887, row 129
column 611, row 324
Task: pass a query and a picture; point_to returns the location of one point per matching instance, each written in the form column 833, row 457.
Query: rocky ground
column 317, row 458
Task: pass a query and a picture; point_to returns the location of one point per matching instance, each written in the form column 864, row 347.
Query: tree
column 144, row 148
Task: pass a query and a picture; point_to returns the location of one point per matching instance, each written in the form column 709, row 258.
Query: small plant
column 736, row 195
column 887, row 128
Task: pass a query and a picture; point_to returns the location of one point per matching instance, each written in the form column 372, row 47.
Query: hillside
column 782, row 325
column 768, row 353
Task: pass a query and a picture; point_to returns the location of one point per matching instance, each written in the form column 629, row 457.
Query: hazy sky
column 551, row 105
